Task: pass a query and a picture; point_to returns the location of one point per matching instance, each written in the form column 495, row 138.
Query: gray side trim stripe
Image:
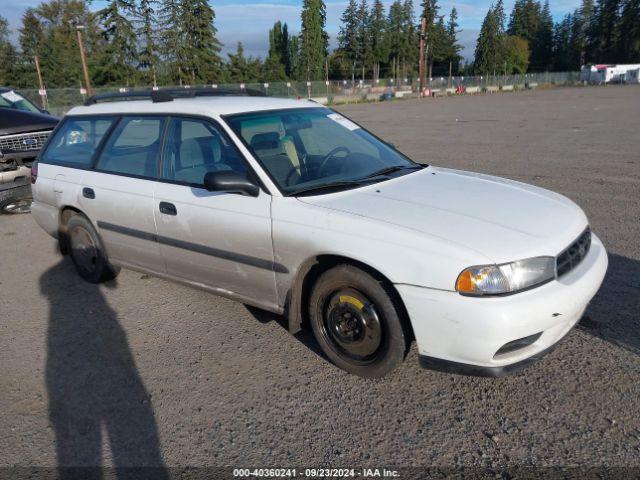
column 194, row 247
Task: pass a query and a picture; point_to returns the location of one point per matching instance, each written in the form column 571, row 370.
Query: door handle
column 168, row 208
column 88, row 193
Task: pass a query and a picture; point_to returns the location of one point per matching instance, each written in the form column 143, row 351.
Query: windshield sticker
column 12, row 96
column 345, row 122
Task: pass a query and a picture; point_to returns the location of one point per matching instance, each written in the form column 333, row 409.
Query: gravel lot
column 146, row 372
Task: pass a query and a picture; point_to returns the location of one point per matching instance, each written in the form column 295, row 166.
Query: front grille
column 23, row 142
column 572, row 256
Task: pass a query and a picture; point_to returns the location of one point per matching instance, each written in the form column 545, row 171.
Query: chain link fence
column 59, row 100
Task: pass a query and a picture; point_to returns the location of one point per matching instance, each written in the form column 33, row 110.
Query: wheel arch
column 308, row 273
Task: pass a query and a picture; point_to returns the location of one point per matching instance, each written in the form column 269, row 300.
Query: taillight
column 34, row 172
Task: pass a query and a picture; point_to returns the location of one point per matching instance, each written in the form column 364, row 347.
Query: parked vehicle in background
column 291, row 207
column 23, row 130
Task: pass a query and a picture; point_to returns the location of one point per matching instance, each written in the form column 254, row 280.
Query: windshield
column 310, row 149
column 16, row 101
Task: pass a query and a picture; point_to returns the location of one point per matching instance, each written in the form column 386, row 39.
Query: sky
column 248, row 21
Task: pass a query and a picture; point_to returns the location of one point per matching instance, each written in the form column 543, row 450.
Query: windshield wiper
column 328, row 187
column 393, row 169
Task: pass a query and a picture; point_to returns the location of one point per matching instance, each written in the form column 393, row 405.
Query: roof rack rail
column 169, row 94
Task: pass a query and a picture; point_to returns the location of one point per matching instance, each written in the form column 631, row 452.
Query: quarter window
column 196, row 147
column 133, row 147
column 75, row 142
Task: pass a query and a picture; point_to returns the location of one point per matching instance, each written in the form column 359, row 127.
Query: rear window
column 75, row 142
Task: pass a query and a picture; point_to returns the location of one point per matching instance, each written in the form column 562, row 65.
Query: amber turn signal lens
column 464, row 283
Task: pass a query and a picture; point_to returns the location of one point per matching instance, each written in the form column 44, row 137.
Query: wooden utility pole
column 85, row 71
column 42, row 92
column 422, row 63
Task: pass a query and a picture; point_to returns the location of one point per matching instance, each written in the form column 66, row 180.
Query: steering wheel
column 331, row 155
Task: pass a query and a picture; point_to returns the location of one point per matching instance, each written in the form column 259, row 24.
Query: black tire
column 87, row 252
column 356, row 322
column 15, row 200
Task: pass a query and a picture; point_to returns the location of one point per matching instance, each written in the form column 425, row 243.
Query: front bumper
column 463, row 334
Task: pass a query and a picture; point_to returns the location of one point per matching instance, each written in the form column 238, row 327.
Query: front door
column 216, row 239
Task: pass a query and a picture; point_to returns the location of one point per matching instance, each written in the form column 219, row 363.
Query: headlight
column 506, row 278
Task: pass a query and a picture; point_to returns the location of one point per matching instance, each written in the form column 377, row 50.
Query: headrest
column 265, row 141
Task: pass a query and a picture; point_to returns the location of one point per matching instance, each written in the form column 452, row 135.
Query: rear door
column 118, row 193
column 218, row 239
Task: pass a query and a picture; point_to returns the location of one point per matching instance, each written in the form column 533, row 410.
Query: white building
column 608, row 73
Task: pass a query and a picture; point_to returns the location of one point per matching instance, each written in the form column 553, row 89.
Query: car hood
column 18, row 121
column 501, row 219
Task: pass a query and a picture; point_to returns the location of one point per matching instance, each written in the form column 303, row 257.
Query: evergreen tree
column 453, row 47
column 203, row 61
column 525, row 20
column 410, row 46
column 362, row 38
column 172, row 42
column 348, row 34
column 562, row 48
column 119, row 57
column 275, row 64
column 59, row 52
column 31, row 39
column 294, row 58
column 8, row 56
column 395, row 36
column 313, row 40
column 602, row 41
column 148, row 53
column 377, row 32
column 489, row 48
column 242, row 69
column 628, row 32
column 542, row 47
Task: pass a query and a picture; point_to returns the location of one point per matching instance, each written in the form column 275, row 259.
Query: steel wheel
column 83, row 249
column 352, row 325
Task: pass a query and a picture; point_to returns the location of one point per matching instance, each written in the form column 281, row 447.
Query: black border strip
column 194, row 247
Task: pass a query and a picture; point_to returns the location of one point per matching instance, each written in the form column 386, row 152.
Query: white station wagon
column 290, row 207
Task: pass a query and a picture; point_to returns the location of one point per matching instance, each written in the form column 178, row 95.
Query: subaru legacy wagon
column 291, row 207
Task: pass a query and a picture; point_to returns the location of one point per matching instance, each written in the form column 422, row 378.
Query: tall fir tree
column 602, row 41
column 377, row 33
column 628, row 32
column 542, row 48
column 348, row 34
column 30, row 39
column 203, row 48
column 363, row 38
column 8, row 56
column 275, row 64
column 453, row 47
column 314, row 40
column 118, row 61
column 489, row 48
column 146, row 32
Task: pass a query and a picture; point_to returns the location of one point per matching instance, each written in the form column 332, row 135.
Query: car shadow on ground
column 95, row 391
column 614, row 313
column 304, row 336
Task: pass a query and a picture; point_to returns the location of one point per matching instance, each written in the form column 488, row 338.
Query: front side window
column 76, row 141
column 133, row 147
column 195, row 147
column 309, row 148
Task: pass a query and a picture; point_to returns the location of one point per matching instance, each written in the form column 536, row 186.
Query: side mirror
column 231, row 182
